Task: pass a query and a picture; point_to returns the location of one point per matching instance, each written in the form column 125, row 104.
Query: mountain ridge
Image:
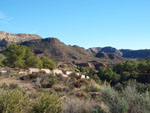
column 125, row 53
column 18, row 38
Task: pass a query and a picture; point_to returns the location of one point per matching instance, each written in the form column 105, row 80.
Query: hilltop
column 18, row 38
column 125, row 53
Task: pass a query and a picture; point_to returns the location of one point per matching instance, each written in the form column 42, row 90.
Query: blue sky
column 87, row 23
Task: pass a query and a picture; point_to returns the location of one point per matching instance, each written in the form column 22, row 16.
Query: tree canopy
column 22, row 57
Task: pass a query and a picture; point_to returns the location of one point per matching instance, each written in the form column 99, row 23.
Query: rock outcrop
column 17, row 38
column 112, row 50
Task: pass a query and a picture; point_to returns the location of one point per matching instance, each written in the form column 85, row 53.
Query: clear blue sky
column 87, row 23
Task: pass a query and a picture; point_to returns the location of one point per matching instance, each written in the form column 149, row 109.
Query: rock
column 18, row 38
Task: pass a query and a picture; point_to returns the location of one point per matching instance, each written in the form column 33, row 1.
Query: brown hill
column 54, row 49
column 58, row 51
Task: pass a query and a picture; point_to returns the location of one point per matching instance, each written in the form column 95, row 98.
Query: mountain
column 55, row 49
column 108, row 56
column 58, row 51
column 139, row 54
column 112, row 50
column 17, row 38
column 125, row 53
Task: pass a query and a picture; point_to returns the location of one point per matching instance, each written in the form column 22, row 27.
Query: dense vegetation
column 22, row 57
column 118, row 75
column 121, row 88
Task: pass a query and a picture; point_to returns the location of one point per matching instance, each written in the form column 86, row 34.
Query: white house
column 78, row 74
column 68, row 72
column 47, row 71
column 34, row 70
column 83, row 76
column 23, row 72
column 3, row 71
column 57, row 71
column 87, row 77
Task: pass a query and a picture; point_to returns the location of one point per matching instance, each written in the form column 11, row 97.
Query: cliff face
column 105, row 50
column 17, row 38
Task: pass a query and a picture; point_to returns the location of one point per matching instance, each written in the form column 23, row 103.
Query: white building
column 47, row 71
column 57, row 71
column 34, row 70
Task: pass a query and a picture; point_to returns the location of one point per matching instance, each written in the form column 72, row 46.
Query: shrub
column 12, row 102
column 48, row 81
column 127, row 101
column 48, row 63
column 115, row 103
column 80, row 82
column 97, row 109
column 74, row 105
column 92, row 88
column 47, row 104
column 13, row 86
column 4, row 86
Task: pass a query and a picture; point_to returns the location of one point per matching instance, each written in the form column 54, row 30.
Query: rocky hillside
column 143, row 53
column 108, row 56
column 17, row 38
column 96, row 50
column 125, row 53
column 55, row 49
column 60, row 52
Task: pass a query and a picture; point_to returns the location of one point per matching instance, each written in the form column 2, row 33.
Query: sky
column 87, row 23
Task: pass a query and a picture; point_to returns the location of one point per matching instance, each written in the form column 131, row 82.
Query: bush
column 12, row 102
column 92, row 88
column 13, row 86
column 48, row 63
column 127, row 101
column 47, row 104
column 97, row 109
column 115, row 103
column 48, row 81
column 78, row 106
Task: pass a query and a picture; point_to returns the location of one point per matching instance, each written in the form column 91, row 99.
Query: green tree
column 21, row 56
column 2, row 57
column 48, row 63
column 34, row 61
column 109, row 75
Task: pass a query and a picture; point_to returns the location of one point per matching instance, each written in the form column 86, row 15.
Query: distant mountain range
column 125, row 53
column 57, row 50
column 60, row 52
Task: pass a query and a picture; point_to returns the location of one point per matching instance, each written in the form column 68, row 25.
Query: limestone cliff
column 17, row 38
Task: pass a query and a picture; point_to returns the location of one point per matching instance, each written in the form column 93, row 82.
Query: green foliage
column 33, row 61
column 47, row 104
column 47, row 63
column 12, row 102
column 97, row 109
column 127, row 101
column 93, row 75
column 109, row 75
column 115, row 103
column 2, row 57
column 92, row 88
column 22, row 57
column 16, row 55
column 83, row 69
